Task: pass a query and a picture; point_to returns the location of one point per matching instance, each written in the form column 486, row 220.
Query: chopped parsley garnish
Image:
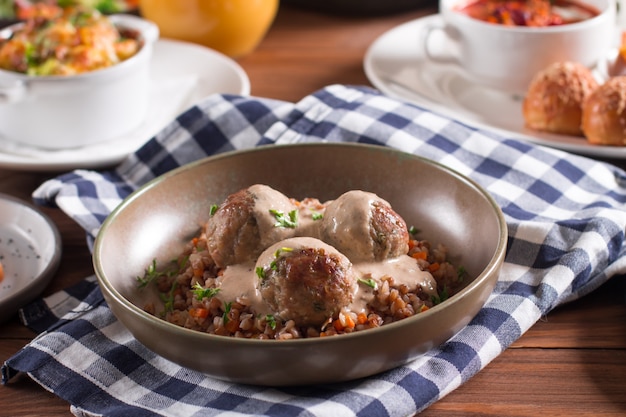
column 201, row 292
column 369, row 282
column 317, row 216
column 151, row 273
column 289, row 220
column 443, row 296
column 413, row 230
column 271, row 321
column 281, row 250
column 168, row 299
column 213, row 209
column 227, row 307
column 183, row 262
column 261, row 271
column 461, row 273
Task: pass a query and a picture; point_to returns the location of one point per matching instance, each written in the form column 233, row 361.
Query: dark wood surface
column 571, row 363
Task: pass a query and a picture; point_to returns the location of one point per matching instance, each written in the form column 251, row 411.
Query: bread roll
column 553, row 102
column 604, row 113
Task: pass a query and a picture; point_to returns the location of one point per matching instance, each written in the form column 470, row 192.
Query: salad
column 66, row 41
column 20, row 9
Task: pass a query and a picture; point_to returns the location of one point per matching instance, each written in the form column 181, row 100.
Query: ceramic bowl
column 30, row 253
column 159, row 218
column 506, row 58
column 62, row 112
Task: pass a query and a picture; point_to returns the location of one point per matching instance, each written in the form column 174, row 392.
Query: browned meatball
column 246, row 223
column 364, row 227
column 305, row 280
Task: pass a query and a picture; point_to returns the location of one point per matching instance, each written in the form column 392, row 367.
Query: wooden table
column 571, row 363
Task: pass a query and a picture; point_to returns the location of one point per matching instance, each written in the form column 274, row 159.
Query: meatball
column 553, row 102
column 305, row 280
column 364, row 227
column 247, row 222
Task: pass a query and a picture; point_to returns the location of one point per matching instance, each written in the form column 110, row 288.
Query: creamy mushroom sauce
column 267, row 199
column 240, row 280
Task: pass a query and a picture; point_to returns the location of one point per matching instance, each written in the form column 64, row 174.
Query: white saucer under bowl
column 395, row 65
column 182, row 74
column 30, row 253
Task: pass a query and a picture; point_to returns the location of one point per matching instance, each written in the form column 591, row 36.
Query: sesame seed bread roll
column 553, row 102
column 604, row 113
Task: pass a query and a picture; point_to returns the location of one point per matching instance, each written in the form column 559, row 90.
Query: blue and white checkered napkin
column 566, row 221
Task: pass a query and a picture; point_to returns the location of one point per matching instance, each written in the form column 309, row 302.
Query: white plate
column 395, row 65
column 182, row 74
column 30, row 252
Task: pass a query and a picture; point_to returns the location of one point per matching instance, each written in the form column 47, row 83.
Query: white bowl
column 506, row 58
column 59, row 112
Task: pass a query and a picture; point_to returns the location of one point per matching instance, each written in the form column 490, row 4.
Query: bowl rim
column 491, row 268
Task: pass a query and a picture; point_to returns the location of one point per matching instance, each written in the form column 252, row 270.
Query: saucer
column 395, row 65
column 182, row 74
column 30, row 253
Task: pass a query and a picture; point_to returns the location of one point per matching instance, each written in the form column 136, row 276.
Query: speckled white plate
column 30, row 252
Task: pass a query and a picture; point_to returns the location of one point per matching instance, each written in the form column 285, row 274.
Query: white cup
column 507, row 57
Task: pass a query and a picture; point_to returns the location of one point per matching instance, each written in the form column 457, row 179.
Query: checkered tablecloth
column 565, row 216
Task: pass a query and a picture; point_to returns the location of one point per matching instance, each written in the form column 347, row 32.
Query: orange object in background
column 233, row 27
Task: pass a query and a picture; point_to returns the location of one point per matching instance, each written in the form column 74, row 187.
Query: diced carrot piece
column 361, row 318
column 419, row 255
column 349, row 322
column 337, row 325
column 232, row 325
column 199, row 312
column 433, row 267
